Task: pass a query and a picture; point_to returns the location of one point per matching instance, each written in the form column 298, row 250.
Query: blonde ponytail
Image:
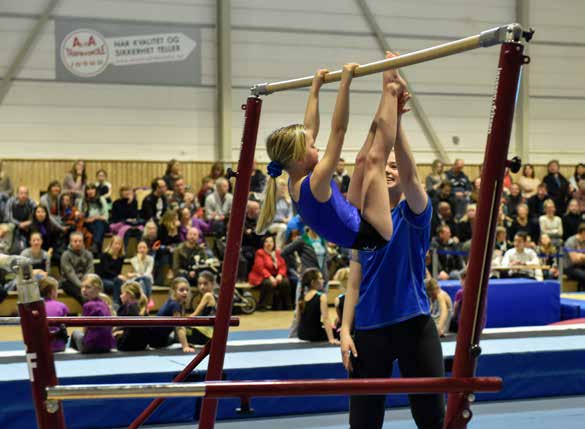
column 268, row 210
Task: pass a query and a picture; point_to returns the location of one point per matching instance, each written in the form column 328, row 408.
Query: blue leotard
column 336, row 220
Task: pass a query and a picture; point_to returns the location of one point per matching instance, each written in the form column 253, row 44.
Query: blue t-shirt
column 392, row 288
column 336, row 220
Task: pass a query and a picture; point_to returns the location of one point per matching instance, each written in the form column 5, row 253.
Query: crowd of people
column 178, row 229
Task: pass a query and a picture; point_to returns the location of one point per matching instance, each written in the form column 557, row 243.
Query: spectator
column 294, row 228
column 341, row 177
column 441, row 306
column 258, row 180
column 551, row 224
column 75, row 181
column 73, row 220
column 575, row 257
column 187, row 220
column 572, row 218
column 76, row 262
column 188, row 256
column 217, row 171
column 206, row 189
column 528, row 182
column 104, row 188
column 125, row 221
column 580, row 196
column 95, row 212
column 547, row 254
column 155, row 204
column 284, row 213
column 50, row 232
column 175, row 306
column 48, row 288
column 450, row 263
column 513, row 199
column 507, row 182
column 578, row 175
column 5, row 238
column 5, row 181
column 134, row 303
column 177, row 199
column 40, row 259
column 168, row 231
column 458, row 303
column 461, row 187
column 501, row 245
column 19, row 212
column 536, row 202
column 435, row 178
column 218, row 206
column 110, row 268
column 94, row 339
column 557, row 185
column 7, row 228
column 205, row 306
column 251, row 240
column 142, row 264
column 475, row 187
column 465, row 225
column 312, row 312
column 51, row 201
column 443, row 194
column 519, row 257
column 269, row 273
column 443, row 216
column 172, row 173
column 522, row 223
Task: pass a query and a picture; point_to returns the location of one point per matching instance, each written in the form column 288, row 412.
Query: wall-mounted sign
column 127, row 52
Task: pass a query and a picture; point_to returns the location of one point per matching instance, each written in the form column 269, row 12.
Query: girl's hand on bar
column 402, row 100
column 347, row 72
column 319, row 79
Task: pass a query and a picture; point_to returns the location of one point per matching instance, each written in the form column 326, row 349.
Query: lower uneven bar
column 222, row 389
column 125, row 321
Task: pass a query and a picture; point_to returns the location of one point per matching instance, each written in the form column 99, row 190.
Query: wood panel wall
column 36, row 174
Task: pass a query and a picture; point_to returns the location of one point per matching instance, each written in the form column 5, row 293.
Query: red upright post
column 232, row 252
column 494, row 165
column 39, row 355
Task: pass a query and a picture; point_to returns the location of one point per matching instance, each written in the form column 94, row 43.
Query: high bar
column 506, row 33
column 222, row 389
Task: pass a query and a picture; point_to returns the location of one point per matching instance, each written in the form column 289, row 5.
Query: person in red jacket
column 269, row 272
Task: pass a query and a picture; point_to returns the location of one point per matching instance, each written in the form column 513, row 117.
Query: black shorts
column 368, row 238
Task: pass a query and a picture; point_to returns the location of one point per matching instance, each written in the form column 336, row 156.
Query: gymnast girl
column 361, row 221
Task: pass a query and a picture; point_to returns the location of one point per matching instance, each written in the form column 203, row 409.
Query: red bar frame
column 476, row 281
column 252, row 108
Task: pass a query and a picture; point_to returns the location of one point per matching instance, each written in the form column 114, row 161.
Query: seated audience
column 218, row 206
column 284, row 213
column 269, row 273
column 547, row 253
column 449, row 262
column 103, row 187
column 51, row 201
column 124, row 216
column 572, row 219
column 341, row 177
column 528, row 182
column 40, row 258
column 172, row 173
column 155, row 204
column 312, row 312
column 536, row 202
column 557, row 185
column 551, row 224
column 187, row 256
column 518, row 257
column 74, row 182
column 513, row 199
column 143, row 265
column 460, row 187
column 443, row 216
column 578, row 175
column 76, row 263
column 258, row 180
column 178, row 198
column 110, row 268
column 175, row 306
column 523, row 223
column 5, row 181
column 204, row 306
column 94, row 339
column 205, row 190
column 48, row 287
column 441, row 306
column 95, row 212
column 251, row 240
column 73, row 220
column 435, row 178
column 129, row 339
column 51, row 232
column 465, row 225
column 19, row 212
column 575, row 257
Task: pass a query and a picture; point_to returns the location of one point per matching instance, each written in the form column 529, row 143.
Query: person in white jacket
column 521, row 256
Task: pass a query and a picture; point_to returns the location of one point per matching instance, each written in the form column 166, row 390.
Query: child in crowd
column 48, row 287
column 104, row 188
column 441, row 306
column 204, row 305
column 142, row 264
column 110, row 268
column 361, row 221
column 312, row 311
column 175, row 306
column 133, row 304
column 94, row 339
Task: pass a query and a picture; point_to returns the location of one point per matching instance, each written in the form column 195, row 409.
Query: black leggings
column 415, row 343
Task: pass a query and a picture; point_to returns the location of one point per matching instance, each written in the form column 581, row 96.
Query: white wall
column 278, row 39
